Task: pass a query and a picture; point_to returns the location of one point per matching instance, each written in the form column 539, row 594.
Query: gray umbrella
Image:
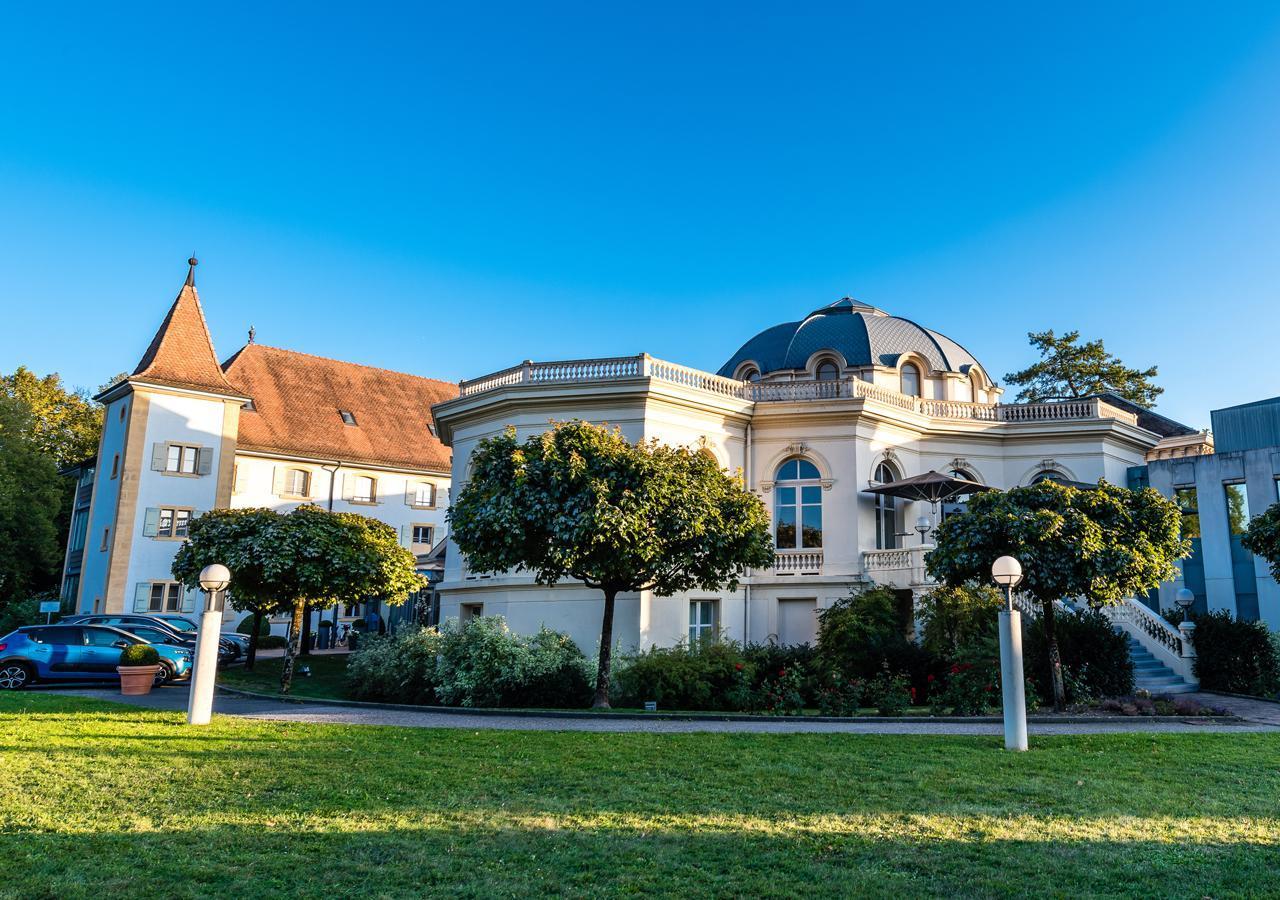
column 931, row 487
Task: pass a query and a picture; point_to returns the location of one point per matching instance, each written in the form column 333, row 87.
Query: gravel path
column 1263, row 717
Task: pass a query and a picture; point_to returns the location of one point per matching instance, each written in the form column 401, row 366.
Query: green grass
column 100, row 800
column 327, row 680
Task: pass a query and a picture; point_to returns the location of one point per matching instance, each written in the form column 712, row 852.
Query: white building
column 267, row 428
column 812, row 412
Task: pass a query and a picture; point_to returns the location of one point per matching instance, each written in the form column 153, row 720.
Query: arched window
column 828, row 371
column 910, row 376
column 975, row 385
column 959, row 502
column 294, row 483
column 750, row 373
column 1050, row 475
column 886, row 511
column 797, row 508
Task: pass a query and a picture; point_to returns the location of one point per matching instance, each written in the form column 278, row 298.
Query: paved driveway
column 175, row 698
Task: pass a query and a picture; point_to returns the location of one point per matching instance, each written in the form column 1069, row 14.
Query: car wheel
column 164, row 675
column 14, row 676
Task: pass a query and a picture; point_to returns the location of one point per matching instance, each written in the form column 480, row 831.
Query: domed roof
column 861, row 333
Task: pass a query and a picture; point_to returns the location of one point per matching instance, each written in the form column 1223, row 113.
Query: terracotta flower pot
column 137, row 680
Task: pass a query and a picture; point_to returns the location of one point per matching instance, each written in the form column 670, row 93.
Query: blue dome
column 862, row 334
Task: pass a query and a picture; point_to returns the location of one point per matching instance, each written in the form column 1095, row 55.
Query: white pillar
column 1011, row 680
column 205, row 673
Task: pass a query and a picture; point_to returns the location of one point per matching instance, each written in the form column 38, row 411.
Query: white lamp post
column 213, row 581
column 924, row 525
column 1007, row 572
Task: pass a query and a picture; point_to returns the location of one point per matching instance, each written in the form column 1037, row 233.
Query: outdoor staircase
column 1150, row 674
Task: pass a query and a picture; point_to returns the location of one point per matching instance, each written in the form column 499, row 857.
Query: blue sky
column 450, row 191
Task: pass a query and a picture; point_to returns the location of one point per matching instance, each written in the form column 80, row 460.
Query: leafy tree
column 958, row 623
column 307, row 556
column 65, row 425
column 1069, row 369
column 30, row 497
column 1102, row 545
column 579, row 501
column 1262, row 537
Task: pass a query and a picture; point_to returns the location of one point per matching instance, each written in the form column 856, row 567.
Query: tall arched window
column 975, row 385
column 886, row 511
column 910, row 376
column 828, row 371
column 797, row 507
column 750, row 373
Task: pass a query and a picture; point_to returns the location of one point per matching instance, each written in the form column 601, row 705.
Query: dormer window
column 348, row 417
column 827, row 371
column 910, row 376
column 749, row 373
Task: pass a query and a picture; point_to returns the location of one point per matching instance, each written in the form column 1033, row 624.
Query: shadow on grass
column 277, row 860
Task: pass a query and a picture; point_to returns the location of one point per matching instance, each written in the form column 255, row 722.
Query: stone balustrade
column 619, row 368
column 797, row 562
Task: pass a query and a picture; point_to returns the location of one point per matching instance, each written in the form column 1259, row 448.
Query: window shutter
column 410, row 493
column 403, row 530
column 204, row 460
column 277, row 481
column 237, row 477
column 142, row 597
column 159, row 453
column 189, row 599
column 348, row 485
column 151, row 524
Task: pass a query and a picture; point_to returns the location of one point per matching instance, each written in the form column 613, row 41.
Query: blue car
column 78, row 653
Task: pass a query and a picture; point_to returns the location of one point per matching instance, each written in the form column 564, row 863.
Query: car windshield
column 181, row 623
column 153, row 635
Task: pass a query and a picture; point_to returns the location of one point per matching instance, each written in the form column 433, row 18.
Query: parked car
column 78, row 653
column 239, row 642
column 227, row 650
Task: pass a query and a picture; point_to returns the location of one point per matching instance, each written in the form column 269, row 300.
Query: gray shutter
column 159, row 455
column 189, row 599
column 142, row 597
column 410, row 492
column 277, row 481
column 151, row 523
column 204, row 460
column 404, row 530
column 348, row 485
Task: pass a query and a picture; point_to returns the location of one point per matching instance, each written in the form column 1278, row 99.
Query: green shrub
column 970, row 689
column 1095, row 656
column 841, row 696
column 246, row 627
column 889, row 692
column 714, row 675
column 479, row 663
column 139, row 655
column 780, row 694
column 1235, row 656
column 272, row 642
column 961, row 623
column 764, row 659
column 857, row 634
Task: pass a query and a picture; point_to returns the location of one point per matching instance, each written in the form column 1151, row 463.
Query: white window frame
column 704, row 620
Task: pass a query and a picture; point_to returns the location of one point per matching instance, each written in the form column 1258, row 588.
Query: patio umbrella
column 931, row 487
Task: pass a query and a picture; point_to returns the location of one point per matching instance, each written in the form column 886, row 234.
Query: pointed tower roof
column 181, row 354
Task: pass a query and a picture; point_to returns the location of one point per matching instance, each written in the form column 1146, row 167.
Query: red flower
column 931, row 678
column 913, row 695
column 989, row 687
column 782, row 673
column 955, row 670
column 738, row 666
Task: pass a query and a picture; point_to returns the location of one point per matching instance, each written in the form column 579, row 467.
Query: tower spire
column 191, row 272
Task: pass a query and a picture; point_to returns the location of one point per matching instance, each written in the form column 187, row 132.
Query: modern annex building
column 813, row 412
column 266, row 428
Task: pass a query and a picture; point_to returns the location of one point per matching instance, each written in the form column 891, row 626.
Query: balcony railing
column 797, row 562
column 629, row 368
column 900, row 567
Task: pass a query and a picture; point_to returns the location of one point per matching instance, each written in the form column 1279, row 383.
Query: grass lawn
column 327, row 679
column 99, row 800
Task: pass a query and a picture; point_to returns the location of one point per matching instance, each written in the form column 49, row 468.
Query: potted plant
column 139, row 665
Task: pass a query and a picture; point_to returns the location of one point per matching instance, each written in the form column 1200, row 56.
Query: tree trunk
column 606, row 652
column 251, row 657
column 306, row 631
column 291, row 652
column 1055, row 658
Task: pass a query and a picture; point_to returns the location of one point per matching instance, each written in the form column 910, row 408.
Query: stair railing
column 1174, row 647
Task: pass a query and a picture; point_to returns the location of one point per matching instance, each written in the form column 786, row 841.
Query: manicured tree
column 1262, row 537
column 1068, row 369
column 236, row 538
column 1102, row 545
column 309, row 555
column 579, row 501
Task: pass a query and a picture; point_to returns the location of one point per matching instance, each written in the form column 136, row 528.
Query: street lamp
column 924, row 525
column 1007, row 572
column 1185, row 600
column 214, row 581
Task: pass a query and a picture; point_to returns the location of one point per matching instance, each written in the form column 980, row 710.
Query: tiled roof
column 181, row 354
column 297, row 399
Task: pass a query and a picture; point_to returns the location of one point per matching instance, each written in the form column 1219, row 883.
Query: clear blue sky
column 449, row 192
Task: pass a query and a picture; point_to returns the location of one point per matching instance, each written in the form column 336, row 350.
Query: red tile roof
column 297, row 400
column 181, row 354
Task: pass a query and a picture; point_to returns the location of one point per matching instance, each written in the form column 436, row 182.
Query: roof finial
column 191, row 272
column 252, row 332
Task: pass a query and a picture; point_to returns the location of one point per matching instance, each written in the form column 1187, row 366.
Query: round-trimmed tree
column 580, row 501
column 1103, row 545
